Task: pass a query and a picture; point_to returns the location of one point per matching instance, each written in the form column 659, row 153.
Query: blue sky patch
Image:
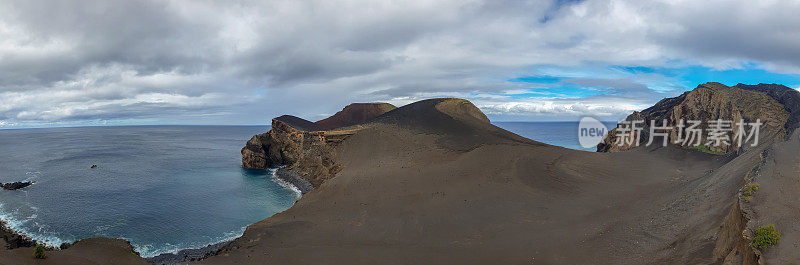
column 559, row 81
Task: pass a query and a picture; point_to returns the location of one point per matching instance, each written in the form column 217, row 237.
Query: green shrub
column 38, row 252
column 766, row 236
column 750, row 189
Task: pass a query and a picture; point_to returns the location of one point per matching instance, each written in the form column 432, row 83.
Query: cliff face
column 733, row 244
column 789, row 98
column 306, row 156
column 708, row 102
column 304, row 149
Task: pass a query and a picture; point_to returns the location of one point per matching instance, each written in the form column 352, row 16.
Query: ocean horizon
column 164, row 188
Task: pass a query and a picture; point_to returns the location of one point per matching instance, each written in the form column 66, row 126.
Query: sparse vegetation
column 703, row 148
column 38, row 252
column 766, row 236
column 751, row 189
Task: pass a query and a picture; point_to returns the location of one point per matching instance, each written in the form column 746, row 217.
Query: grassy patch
column 703, row 148
column 766, row 236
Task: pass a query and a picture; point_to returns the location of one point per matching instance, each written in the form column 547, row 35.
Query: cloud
column 233, row 62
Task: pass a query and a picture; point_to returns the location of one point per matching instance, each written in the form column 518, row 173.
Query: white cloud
column 246, row 61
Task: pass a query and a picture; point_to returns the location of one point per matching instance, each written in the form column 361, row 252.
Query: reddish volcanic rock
column 353, row 114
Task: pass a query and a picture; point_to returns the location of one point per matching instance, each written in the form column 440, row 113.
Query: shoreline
column 283, row 177
column 15, row 239
column 286, row 178
column 189, row 254
column 297, row 183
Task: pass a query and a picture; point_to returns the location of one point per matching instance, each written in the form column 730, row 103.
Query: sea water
column 560, row 133
column 163, row 188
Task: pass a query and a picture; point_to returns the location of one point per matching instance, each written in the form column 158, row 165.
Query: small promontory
column 303, row 149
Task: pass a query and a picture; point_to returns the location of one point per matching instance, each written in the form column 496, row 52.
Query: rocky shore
column 294, row 179
column 187, row 255
column 12, row 239
column 19, row 248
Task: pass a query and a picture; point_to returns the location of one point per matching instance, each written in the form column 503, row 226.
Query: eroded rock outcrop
column 707, row 102
column 304, row 156
column 304, row 149
column 733, row 241
column 735, row 237
column 788, row 97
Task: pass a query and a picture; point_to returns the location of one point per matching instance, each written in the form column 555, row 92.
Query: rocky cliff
column 304, row 149
column 775, row 106
column 789, row 98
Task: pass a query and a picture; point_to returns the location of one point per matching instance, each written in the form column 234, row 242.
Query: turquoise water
column 164, row 188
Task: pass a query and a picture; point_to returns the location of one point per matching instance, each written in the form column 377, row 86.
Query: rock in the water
column 16, row 185
column 94, row 166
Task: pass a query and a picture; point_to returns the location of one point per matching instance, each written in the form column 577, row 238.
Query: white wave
column 149, row 251
column 27, row 226
column 274, row 177
column 21, row 227
column 32, row 229
column 32, row 176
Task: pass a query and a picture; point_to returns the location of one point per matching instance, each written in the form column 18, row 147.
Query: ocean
column 163, row 188
column 561, row 133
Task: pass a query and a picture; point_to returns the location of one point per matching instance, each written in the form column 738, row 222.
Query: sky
column 110, row 62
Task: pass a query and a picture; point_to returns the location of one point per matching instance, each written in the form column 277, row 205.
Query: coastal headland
column 434, row 182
